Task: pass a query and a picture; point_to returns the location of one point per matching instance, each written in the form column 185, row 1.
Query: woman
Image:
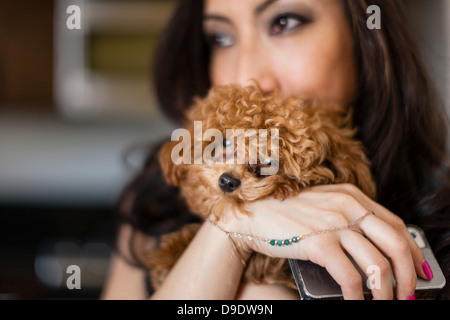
column 308, row 48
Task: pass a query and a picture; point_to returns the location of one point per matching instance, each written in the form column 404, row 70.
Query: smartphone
column 314, row 282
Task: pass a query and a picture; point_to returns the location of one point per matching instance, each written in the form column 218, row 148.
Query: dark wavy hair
column 400, row 119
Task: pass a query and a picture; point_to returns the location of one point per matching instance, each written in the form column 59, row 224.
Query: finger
column 372, row 263
column 395, row 246
column 397, row 223
column 393, row 220
column 418, row 257
column 384, row 214
column 339, row 266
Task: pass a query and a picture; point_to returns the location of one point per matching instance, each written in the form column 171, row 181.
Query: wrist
column 227, row 224
column 199, row 272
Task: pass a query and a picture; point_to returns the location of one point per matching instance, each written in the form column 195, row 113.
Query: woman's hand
column 387, row 244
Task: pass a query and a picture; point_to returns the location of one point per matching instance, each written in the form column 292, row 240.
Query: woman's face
column 298, row 47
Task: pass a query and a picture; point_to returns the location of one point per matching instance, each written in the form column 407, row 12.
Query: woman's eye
column 220, row 40
column 285, row 23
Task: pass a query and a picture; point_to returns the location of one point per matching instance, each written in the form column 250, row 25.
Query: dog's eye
column 255, row 169
column 227, row 143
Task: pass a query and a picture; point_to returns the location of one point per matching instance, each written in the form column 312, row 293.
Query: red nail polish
column 412, row 297
column 427, row 270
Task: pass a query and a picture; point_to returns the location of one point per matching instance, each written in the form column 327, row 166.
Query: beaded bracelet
column 292, row 240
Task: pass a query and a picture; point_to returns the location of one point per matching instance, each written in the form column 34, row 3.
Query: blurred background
column 77, row 114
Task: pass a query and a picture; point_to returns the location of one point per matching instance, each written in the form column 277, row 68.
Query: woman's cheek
column 322, row 73
column 297, row 73
column 221, row 69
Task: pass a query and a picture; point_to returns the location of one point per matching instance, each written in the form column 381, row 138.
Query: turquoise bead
column 280, row 243
column 272, row 242
column 294, row 239
column 286, row 242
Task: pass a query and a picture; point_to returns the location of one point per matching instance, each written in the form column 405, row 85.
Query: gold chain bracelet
column 294, row 239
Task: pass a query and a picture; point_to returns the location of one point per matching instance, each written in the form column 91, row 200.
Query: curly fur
column 316, row 146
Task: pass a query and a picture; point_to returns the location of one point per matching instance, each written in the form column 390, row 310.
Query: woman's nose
column 255, row 69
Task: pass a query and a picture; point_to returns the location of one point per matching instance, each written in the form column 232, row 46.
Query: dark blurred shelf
column 39, row 243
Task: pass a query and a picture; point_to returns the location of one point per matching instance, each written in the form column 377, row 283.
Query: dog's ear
column 344, row 155
column 173, row 173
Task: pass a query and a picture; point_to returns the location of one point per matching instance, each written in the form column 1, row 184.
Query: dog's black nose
column 228, row 183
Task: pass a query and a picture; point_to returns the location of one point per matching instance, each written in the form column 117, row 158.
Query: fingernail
column 412, row 297
column 427, row 270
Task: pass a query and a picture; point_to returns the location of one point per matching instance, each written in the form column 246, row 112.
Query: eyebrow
column 262, row 7
column 216, row 17
column 258, row 11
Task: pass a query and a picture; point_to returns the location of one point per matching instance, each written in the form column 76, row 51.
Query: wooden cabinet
column 26, row 54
